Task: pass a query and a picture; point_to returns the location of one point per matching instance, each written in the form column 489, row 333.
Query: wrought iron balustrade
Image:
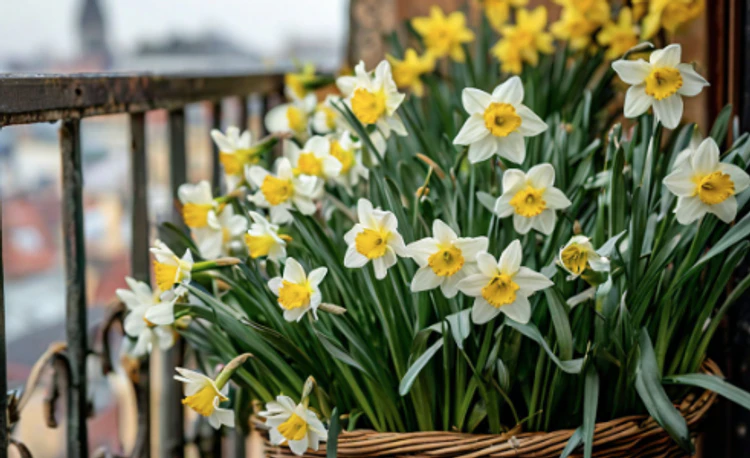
column 68, row 99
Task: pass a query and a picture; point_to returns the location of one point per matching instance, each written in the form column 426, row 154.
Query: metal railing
column 69, row 98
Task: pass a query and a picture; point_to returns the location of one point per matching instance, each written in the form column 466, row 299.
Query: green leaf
column 337, row 352
column 572, row 366
column 713, row 383
column 575, row 440
column 559, row 312
column 590, row 401
column 411, row 375
column 655, row 399
column 721, row 125
column 460, row 326
column 734, row 235
column 334, row 429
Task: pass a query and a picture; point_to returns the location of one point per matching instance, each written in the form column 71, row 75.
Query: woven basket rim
column 612, row 438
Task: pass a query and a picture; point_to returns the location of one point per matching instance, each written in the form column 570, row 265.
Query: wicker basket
column 634, row 436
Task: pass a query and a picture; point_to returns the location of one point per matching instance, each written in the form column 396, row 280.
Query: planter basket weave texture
column 633, row 436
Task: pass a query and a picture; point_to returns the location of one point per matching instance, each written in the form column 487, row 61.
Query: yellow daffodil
column 444, row 259
column 263, row 239
column 283, row 191
column 703, row 185
column 139, row 300
column 297, row 291
column 349, row 153
column 444, row 35
column 498, row 11
column 313, row 159
column 294, row 83
column 661, row 82
column 498, row 122
column 292, row 117
column 575, row 28
column 407, row 72
column 595, row 11
column 619, row 36
column 374, row 98
column 523, row 41
column 578, row 255
column 502, row 286
column 374, row 238
column 197, row 204
column 293, row 424
column 169, row 270
column 235, row 152
column 531, row 198
column 670, row 15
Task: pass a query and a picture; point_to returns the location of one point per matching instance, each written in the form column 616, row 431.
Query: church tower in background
column 93, row 36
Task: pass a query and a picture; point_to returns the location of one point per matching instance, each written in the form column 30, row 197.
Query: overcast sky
column 49, row 26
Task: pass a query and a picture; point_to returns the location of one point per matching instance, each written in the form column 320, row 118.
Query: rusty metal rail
column 69, row 98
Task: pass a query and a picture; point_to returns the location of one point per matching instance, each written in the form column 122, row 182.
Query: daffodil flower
column 444, row 259
column 313, row 159
column 263, row 239
column 223, row 234
column 294, row 424
column 170, row 270
column 295, row 83
column 407, row 72
column 235, row 152
column 703, row 185
column 618, row 36
column 297, row 291
column 139, row 300
column 523, row 41
column 498, row 123
column 374, row 238
column 578, row 255
column 498, row 11
column 292, row 117
column 575, row 28
column 278, row 192
column 531, row 199
column 670, row 15
column 502, row 286
column 374, row 98
column 661, row 83
column 326, row 118
column 444, row 35
column 349, row 153
column 197, row 203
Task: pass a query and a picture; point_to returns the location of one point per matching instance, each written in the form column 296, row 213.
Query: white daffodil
column 578, row 255
column 661, row 82
column 498, row 122
column 349, row 154
column 139, row 300
column 235, row 152
column 297, row 291
column 223, row 234
column 313, row 159
column 326, row 118
column 292, row 117
column 531, row 199
column 502, row 286
column 374, row 238
column 263, row 239
column 374, row 97
column 170, row 270
column 703, row 185
column 197, row 203
column 278, row 192
column 203, row 395
column 294, row 424
column 444, row 259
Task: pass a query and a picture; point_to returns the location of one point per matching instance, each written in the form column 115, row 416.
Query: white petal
column 637, row 101
column 522, row 224
column 364, row 212
column 545, row 222
column 472, row 131
column 450, row 284
column 669, row 111
column 692, row 82
column 556, row 199
column 274, row 285
column 299, row 447
column 632, row 71
column 474, row 100
column 256, row 175
column 510, row 260
column 705, row 160
column 487, row 264
column 513, row 178
column 689, row 209
column 161, row 314
column 425, row 279
column 667, row 57
column 422, row 249
column 472, row 285
column 680, row 182
column 531, row 124
column 510, row 91
column 512, row 147
column 354, row 259
column 482, row 311
column 317, row 276
column 530, row 281
column 442, row 232
column 503, row 208
column 519, row 310
column 471, row 247
column 381, row 270
column 294, row 272
column 483, row 149
column 726, row 210
column 541, row 176
column 276, row 119
column 739, row 177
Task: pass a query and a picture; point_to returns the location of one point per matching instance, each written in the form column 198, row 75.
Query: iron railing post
column 215, row 166
column 3, row 364
column 75, row 275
